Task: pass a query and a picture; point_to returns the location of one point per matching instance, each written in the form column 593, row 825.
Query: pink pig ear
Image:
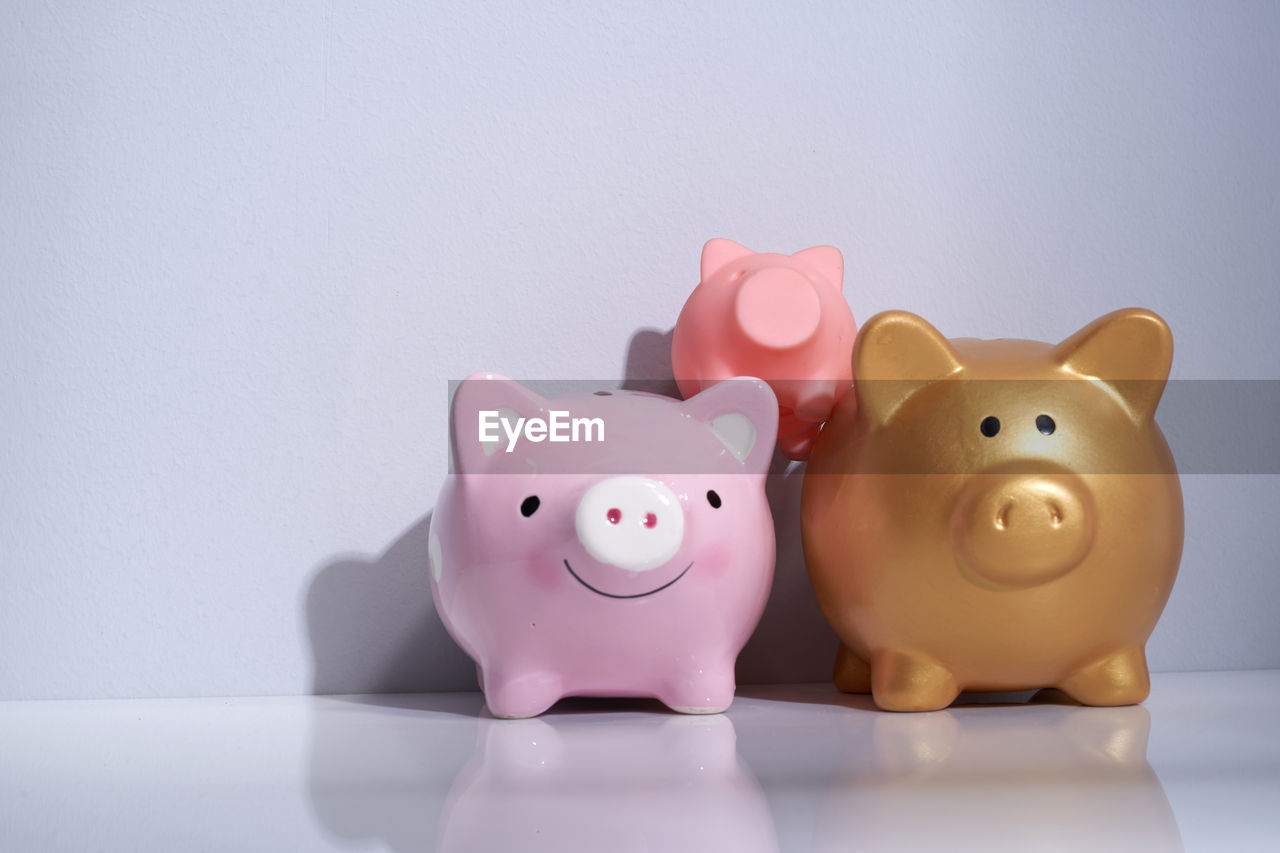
column 826, row 261
column 718, row 252
column 480, row 404
column 743, row 414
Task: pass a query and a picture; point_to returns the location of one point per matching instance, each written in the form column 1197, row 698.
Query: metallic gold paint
column 947, row 560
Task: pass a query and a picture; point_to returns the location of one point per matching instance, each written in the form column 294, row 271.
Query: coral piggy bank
column 779, row 317
column 996, row 515
column 631, row 557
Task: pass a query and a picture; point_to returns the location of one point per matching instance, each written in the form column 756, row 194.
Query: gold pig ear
column 896, row 354
column 1130, row 350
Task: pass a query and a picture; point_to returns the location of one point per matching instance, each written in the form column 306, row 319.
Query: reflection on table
column 630, row 783
column 1035, row 777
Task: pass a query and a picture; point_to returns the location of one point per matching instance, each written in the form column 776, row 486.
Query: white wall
column 243, row 250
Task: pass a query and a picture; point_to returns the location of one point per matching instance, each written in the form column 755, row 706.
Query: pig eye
column 990, row 426
column 713, row 499
column 1045, row 424
column 530, row 505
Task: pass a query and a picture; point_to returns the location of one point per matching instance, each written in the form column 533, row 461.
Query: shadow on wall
column 793, row 642
column 648, row 363
column 373, row 628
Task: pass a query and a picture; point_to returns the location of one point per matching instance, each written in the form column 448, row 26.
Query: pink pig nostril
column 617, row 523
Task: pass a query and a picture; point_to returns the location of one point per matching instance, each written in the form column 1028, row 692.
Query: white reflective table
column 787, row 768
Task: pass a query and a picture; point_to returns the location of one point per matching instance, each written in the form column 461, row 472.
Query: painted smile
column 636, row 595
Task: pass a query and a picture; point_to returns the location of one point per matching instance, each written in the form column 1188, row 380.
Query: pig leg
column 528, row 693
column 905, row 681
column 706, row 691
column 1119, row 678
column 852, row 673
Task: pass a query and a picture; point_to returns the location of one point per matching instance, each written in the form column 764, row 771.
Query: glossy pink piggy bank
column 780, row 317
column 608, row 544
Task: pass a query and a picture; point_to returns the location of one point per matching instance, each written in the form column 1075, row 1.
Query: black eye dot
column 1045, row 424
column 530, row 505
column 990, row 425
column 713, row 499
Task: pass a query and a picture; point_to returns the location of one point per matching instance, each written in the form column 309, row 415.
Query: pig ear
column 826, row 261
column 1131, row 350
column 895, row 355
column 743, row 414
column 486, row 392
column 718, row 252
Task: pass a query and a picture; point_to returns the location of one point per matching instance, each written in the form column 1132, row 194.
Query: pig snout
column 777, row 308
column 633, row 523
column 1020, row 529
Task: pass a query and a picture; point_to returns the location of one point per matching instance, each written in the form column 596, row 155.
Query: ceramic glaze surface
column 996, row 515
column 637, row 565
column 780, row 317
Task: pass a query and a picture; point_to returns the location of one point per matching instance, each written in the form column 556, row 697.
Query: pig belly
column 680, row 646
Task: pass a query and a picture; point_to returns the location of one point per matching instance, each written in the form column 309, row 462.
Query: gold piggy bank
column 996, row 515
